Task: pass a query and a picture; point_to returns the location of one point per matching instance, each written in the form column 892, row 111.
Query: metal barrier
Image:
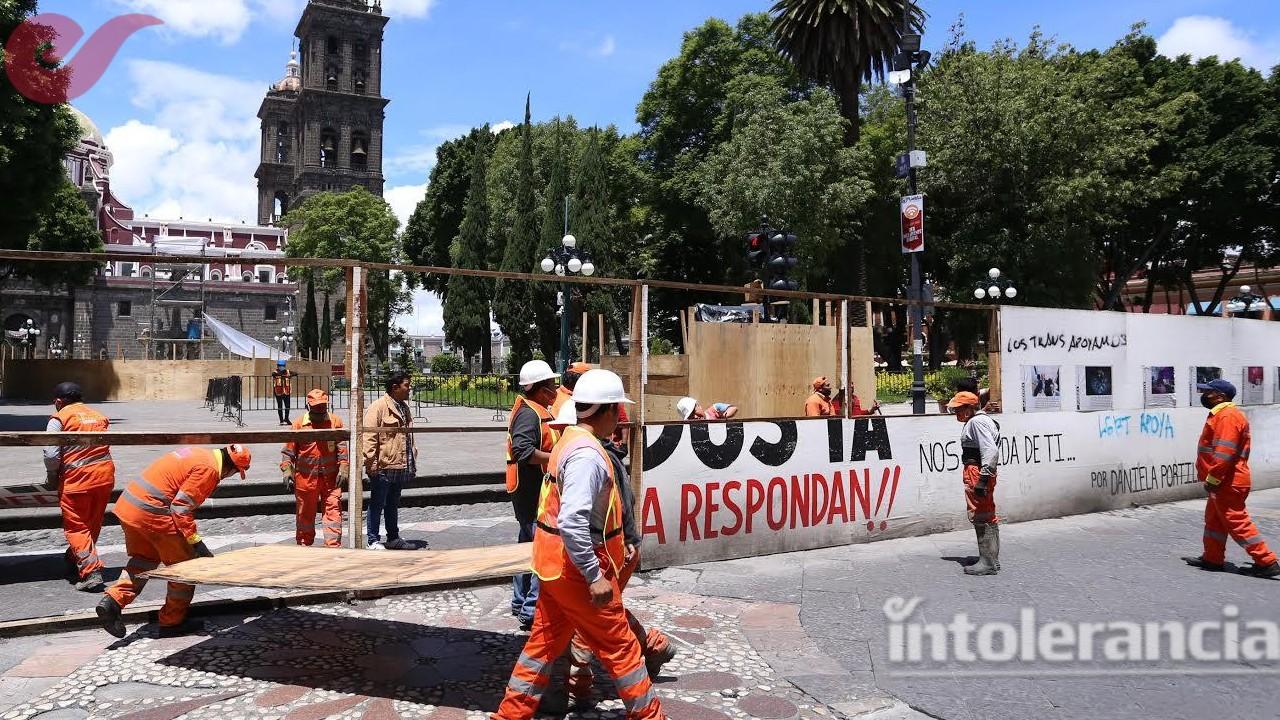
column 259, row 391
column 496, row 392
column 224, row 396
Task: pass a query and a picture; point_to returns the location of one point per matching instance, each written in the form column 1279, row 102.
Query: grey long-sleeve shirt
column 982, row 433
column 584, row 504
column 53, row 453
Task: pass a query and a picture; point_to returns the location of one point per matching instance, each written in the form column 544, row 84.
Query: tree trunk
column 849, row 92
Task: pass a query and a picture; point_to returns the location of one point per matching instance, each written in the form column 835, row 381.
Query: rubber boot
column 994, row 530
column 658, row 651
column 986, row 564
column 109, row 615
column 1199, row 562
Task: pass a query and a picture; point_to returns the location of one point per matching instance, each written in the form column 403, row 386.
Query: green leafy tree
column 591, row 221
column 309, row 332
column 513, row 304
column 326, row 327
column 34, row 139
column 552, row 232
column 466, row 304
column 64, row 225
column 432, row 229
column 359, row 226
column 446, row 363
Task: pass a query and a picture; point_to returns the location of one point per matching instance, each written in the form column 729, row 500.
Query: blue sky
column 178, row 105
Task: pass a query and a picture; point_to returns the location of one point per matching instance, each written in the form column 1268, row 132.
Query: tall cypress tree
column 309, row 332
column 466, row 304
column 552, row 231
column 593, row 222
column 513, row 303
column 326, row 327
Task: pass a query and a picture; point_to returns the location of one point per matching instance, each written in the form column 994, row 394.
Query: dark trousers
column 282, row 407
column 384, row 504
column 524, row 587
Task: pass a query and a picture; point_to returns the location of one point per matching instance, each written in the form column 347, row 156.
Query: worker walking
column 157, row 514
column 578, row 553
column 84, row 476
column 529, row 442
column 282, row 389
column 980, row 454
column 316, row 473
column 1222, row 463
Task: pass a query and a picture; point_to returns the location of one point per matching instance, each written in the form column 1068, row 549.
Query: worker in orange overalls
column 655, row 646
column 529, row 442
column 316, row 473
column 282, row 389
column 84, row 476
column 567, row 383
column 157, row 514
column 578, row 554
column 819, row 403
column 1222, row 463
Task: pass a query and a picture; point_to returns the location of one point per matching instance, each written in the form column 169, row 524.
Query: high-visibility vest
column 165, row 498
column 314, row 460
column 549, row 556
column 548, row 439
column 280, row 382
column 85, row 466
column 563, row 395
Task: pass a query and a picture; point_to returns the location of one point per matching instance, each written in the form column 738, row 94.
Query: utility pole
column 910, row 49
column 565, row 305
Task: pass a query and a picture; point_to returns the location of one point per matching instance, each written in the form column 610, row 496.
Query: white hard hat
column 685, row 407
column 567, row 416
column 597, row 387
column 534, row 372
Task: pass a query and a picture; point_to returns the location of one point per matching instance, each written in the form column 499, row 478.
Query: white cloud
column 222, row 19
column 606, row 47
column 1201, row 36
column 500, row 126
column 403, row 199
column 194, row 150
column 427, row 316
column 418, row 159
column 408, row 8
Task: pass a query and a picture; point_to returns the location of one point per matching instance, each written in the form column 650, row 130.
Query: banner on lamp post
column 913, row 223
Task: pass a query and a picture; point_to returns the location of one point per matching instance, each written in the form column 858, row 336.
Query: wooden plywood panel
column 764, row 369
column 661, row 408
column 312, row 568
column 862, row 366
column 659, row 365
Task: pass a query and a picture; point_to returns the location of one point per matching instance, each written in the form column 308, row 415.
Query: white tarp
column 237, row 343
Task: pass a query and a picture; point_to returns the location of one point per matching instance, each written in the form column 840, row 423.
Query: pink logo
column 34, row 54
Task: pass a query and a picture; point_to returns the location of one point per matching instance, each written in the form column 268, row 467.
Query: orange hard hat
column 964, row 398
column 317, row 397
column 240, row 457
column 819, row 382
column 580, row 367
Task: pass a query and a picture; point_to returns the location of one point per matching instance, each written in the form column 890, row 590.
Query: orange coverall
column 1222, row 464
column 318, row 469
column 157, row 513
column 86, row 477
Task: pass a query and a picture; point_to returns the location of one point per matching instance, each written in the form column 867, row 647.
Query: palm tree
column 842, row 43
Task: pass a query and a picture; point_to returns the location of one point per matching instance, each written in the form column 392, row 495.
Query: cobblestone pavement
column 443, row 655
column 462, row 453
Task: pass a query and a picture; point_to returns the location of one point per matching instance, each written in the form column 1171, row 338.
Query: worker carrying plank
column 578, row 554
column 83, row 476
column 316, row 473
column 157, row 514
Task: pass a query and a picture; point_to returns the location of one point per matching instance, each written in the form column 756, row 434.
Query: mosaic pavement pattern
column 443, row 656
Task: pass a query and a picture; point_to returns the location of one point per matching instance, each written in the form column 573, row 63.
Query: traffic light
column 782, row 259
column 756, row 249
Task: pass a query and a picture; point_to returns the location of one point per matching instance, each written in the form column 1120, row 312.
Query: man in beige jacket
column 390, row 461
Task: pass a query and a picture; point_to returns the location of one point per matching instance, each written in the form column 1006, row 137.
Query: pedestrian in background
column 819, row 403
column 689, row 409
column 316, row 473
column 529, row 442
column 390, row 461
column 1222, row 463
column 84, row 476
column 282, row 389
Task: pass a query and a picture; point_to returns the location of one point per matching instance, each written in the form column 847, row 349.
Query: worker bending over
column 980, row 453
column 578, row 554
column 84, row 476
column 157, row 514
column 1222, row 463
column 316, row 473
column 529, row 442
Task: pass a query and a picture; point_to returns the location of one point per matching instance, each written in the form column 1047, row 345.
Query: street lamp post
column 995, row 287
column 285, row 338
column 905, row 63
column 28, row 332
column 1247, row 302
column 568, row 259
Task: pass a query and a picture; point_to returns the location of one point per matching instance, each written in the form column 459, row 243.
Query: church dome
column 292, row 81
column 89, row 132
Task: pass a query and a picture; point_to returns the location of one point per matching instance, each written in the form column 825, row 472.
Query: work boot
column 186, row 627
column 1200, row 563
column 994, row 530
column 91, row 583
column 109, row 615
column 658, row 651
column 72, row 569
column 986, row 563
column 1262, row 571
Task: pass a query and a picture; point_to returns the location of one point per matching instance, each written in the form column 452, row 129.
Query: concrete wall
column 135, row 379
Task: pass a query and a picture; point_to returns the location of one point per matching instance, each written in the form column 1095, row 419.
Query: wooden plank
column 667, row 385
column 995, row 382
column 817, row 312
column 357, row 300
column 765, row 369
column 311, row 568
column 586, row 334
column 684, row 331
column 635, row 440
column 599, row 335
column 659, row 365
column 120, row 439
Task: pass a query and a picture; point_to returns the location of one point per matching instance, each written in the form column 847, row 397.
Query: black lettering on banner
column 716, row 457
column 870, row 434
column 662, row 448
column 776, row 453
column 835, row 440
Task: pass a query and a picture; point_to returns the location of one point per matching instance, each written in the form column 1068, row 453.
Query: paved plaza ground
column 801, row 635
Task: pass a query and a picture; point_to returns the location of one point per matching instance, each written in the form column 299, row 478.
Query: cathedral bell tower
column 322, row 124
